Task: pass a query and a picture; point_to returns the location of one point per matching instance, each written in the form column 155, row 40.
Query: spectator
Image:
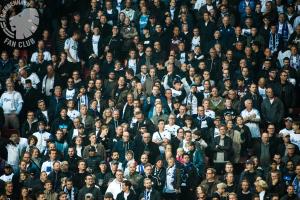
column 49, row 193
column 89, row 188
column 11, row 101
column 149, row 192
column 115, row 187
column 126, row 191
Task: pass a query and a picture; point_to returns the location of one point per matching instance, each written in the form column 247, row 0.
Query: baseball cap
column 285, row 134
column 249, row 162
column 288, row 119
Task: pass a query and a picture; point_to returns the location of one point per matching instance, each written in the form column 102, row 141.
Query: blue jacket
column 242, row 6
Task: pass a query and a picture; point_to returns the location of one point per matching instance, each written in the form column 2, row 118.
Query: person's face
column 248, row 104
column 93, row 139
column 214, row 92
column 91, row 82
column 148, row 170
column 56, row 166
column 25, row 192
column 206, row 76
column 115, row 156
column 63, row 113
column 59, row 135
column 71, row 152
column 228, row 168
column 57, row 92
column 132, row 168
column 48, row 186
column 238, row 31
column 146, row 138
column 83, row 110
column 144, row 158
column 148, row 184
column 230, row 178
column 82, row 166
column 265, row 137
column 253, row 31
column 283, row 76
column 222, row 130
column 63, row 197
column 89, row 180
column 290, row 190
column 53, row 155
column 41, row 197
column 291, row 151
column 125, row 136
column 245, row 186
column 209, row 174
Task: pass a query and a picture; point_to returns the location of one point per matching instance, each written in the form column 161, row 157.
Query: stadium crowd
column 153, row 100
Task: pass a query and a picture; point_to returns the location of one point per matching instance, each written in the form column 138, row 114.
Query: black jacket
column 6, row 68
column 286, row 93
column 89, row 47
column 226, row 149
column 26, row 130
column 41, row 117
column 55, row 105
column 60, row 123
column 30, row 97
column 93, row 190
column 122, row 148
column 257, row 149
column 152, row 148
column 131, row 196
column 154, row 195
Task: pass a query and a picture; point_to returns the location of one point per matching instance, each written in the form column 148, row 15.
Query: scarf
column 295, row 64
column 274, row 42
column 284, row 31
column 71, row 194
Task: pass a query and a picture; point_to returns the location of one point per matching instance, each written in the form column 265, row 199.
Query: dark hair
column 127, row 183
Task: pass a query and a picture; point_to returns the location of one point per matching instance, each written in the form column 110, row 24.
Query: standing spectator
column 89, row 188
column 147, row 146
column 285, row 91
column 42, row 136
column 71, row 48
column 115, row 187
column 49, row 192
column 171, row 188
column 149, row 192
column 210, row 182
column 56, row 102
column 222, row 147
column 252, row 118
column 264, row 150
column 127, row 192
column 11, row 101
column 272, row 108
